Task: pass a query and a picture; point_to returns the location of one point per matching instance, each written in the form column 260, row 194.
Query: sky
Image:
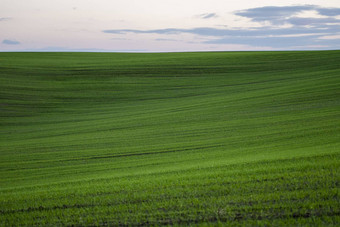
column 169, row 25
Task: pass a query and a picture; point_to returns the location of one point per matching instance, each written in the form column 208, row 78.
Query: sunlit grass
column 157, row 139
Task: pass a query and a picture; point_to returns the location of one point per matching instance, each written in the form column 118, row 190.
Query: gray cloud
column 282, row 14
column 4, row 18
column 10, row 42
column 205, row 31
column 299, row 21
column 207, row 15
column 264, row 36
column 329, row 11
column 303, row 31
column 272, row 13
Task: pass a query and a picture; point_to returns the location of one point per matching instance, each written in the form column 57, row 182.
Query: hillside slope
column 249, row 138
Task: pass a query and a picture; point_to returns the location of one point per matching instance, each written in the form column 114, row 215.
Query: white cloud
column 330, row 37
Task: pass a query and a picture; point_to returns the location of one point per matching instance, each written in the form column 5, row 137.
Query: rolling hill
column 121, row 139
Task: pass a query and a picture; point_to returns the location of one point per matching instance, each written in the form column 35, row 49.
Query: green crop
column 219, row 138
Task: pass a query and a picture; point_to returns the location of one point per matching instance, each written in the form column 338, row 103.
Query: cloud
column 302, row 31
column 207, row 15
column 263, row 36
column 300, row 21
column 272, row 13
column 284, row 14
column 216, row 32
column 10, row 42
column 160, row 39
column 329, row 11
column 5, row 18
column 336, row 36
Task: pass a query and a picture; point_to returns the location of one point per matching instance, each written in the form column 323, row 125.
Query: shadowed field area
column 236, row 138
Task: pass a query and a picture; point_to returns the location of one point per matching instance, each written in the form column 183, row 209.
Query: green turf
column 240, row 138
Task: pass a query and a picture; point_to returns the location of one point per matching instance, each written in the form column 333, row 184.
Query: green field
column 219, row 138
